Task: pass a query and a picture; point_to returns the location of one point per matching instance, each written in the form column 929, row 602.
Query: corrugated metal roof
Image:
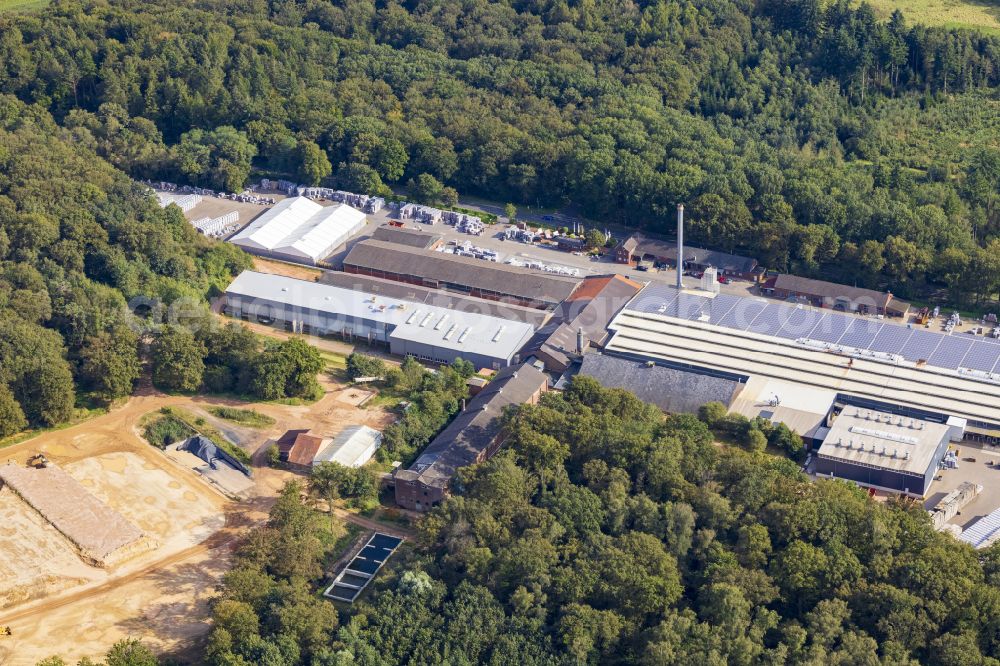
column 348, row 447
column 449, row 269
column 304, row 450
column 747, row 336
column 672, row 390
column 983, row 532
column 473, row 430
column 436, row 297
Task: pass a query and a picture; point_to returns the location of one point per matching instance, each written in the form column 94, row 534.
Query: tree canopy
column 812, row 135
column 78, row 241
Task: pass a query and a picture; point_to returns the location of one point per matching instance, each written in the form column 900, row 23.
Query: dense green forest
column 78, row 241
column 810, row 134
column 608, row 533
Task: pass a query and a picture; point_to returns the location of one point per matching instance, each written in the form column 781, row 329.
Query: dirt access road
column 164, row 604
column 161, row 599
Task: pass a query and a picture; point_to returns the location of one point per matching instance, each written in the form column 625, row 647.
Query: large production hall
column 410, row 328
column 805, row 366
column 873, row 360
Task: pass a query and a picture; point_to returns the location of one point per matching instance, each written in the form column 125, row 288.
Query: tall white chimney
column 680, row 246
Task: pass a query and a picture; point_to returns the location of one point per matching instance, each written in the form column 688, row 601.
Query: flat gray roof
column 436, row 297
column 672, row 390
column 442, row 327
column 406, row 236
column 877, row 439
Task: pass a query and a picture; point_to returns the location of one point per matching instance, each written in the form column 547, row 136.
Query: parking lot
column 492, row 239
column 981, row 472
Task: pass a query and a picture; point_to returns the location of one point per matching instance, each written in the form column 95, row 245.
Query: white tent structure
column 300, row 230
column 353, row 447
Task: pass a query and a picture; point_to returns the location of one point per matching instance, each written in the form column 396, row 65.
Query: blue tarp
column 206, row 449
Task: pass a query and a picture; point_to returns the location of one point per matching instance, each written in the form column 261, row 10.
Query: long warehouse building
column 862, row 361
column 475, row 277
column 427, row 332
column 300, row 230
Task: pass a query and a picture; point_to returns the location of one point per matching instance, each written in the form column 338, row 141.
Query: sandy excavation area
column 57, row 605
column 35, row 559
column 172, row 512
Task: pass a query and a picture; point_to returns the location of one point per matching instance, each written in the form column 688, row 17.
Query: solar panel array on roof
column 920, row 346
column 794, row 322
column 799, row 324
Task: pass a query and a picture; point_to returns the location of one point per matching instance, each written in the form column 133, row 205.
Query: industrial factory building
column 581, row 321
column 472, row 437
column 639, row 248
column 437, row 297
column 427, row 332
column 465, row 275
column 673, row 390
column 822, row 294
column 794, row 353
column 883, row 451
column 300, row 230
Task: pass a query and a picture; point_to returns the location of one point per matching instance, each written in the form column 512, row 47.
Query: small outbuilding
column 353, row 447
column 303, row 451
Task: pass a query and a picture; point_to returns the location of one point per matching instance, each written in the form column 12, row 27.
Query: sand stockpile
column 102, row 535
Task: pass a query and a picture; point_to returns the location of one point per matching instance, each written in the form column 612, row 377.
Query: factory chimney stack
column 680, row 246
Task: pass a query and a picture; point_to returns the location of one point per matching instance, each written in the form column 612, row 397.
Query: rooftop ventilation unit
column 883, row 434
